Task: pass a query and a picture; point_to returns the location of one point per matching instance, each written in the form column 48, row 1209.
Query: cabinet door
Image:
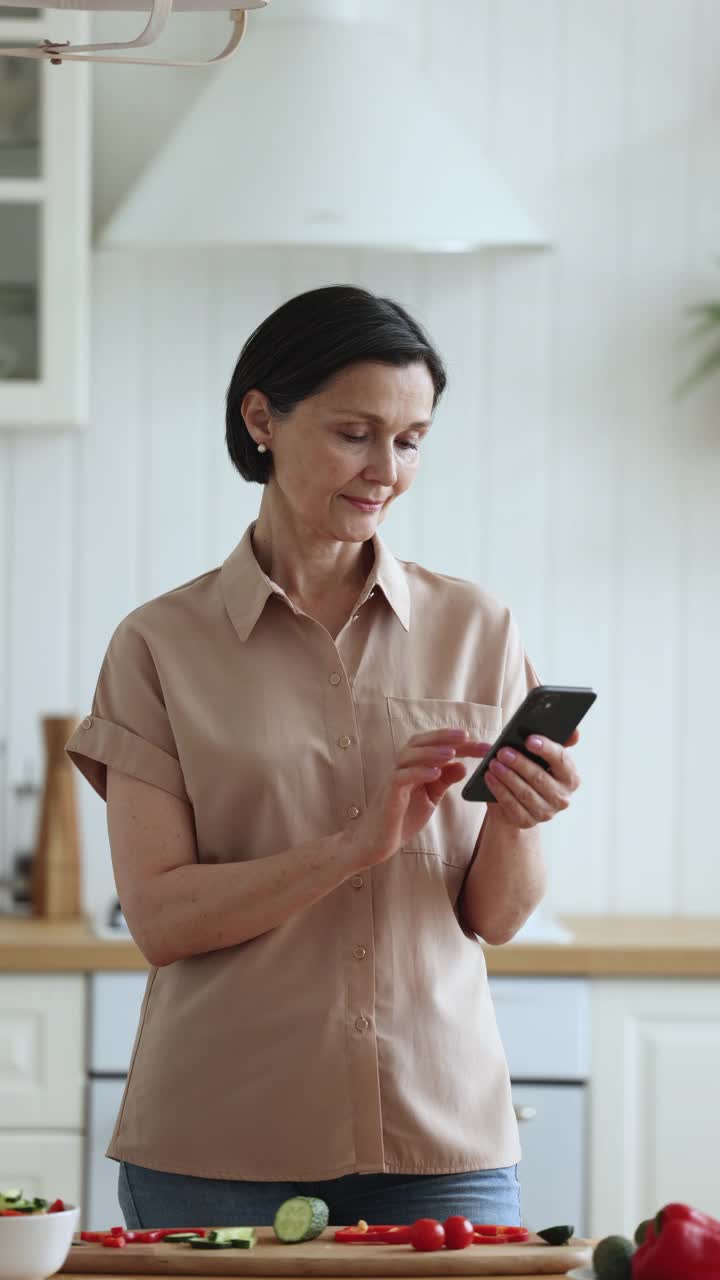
column 43, row 1164
column 42, row 1051
column 655, row 1128
column 44, row 226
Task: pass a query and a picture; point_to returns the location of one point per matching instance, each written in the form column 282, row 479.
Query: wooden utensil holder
column 56, row 880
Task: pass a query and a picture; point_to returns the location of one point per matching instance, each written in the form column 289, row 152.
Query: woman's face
column 345, row 454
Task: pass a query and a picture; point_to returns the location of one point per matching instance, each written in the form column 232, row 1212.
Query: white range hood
column 323, row 132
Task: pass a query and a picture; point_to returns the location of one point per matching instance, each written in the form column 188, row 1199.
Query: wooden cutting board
column 323, row 1257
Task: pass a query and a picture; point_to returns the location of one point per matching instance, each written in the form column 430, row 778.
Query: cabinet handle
column 524, row 1113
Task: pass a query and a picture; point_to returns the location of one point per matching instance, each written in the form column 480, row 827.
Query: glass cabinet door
column 44, row 228
column 20, row 91
column 20, row 356
column 20, row 158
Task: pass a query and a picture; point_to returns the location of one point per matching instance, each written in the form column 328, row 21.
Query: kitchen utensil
column 56, row 866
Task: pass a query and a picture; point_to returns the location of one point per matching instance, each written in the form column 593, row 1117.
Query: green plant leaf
column 707, row 366
column 709, row 310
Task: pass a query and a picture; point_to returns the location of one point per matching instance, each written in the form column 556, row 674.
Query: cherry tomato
column 459, row 1232
column 427, row 1235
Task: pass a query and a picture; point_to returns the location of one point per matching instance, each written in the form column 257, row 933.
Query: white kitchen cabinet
column 43, row 1164
column 44, row 226
column 42, row 1083
column 42, row 1051
column 655, row 1122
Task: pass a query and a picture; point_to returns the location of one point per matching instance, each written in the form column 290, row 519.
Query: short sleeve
column 519, row 675
column 128, row 727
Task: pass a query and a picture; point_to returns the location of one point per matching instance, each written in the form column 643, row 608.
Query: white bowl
column 35, row 1245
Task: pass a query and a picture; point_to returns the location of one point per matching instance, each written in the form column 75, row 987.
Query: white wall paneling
column 561, row 472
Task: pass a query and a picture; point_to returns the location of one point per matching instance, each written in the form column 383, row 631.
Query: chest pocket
column 453, row 829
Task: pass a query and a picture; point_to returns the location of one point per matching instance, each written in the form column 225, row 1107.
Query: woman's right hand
column 424, row 770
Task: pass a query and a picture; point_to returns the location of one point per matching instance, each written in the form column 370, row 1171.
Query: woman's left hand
column 525, row 793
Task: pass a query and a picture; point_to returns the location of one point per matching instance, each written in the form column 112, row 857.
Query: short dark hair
column 298, row 348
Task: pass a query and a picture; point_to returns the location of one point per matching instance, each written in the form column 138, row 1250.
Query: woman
column 279, row 743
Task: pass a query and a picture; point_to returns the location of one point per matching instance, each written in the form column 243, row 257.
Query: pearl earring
column 262, row 448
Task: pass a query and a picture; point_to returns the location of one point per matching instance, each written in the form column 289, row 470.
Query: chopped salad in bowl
column 35, row 1235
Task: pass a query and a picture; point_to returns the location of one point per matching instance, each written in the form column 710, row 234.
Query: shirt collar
column 246, row 589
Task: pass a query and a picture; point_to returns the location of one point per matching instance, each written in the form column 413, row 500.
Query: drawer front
column 115, row 1003
column 545, row 1026
column 553, row 1170
column 42, row 1051
column 43, row 1164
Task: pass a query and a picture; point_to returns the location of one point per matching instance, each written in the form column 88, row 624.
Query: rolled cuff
column 97, row 743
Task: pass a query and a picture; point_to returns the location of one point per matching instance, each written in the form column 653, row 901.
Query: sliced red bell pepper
column 153, row 1235
column 11, row 1213
column 682, row 1245
column 171, row 1231
column 114, row 1242
column 373, row 1235
column 493, row 1233
column 485, row 1233
column 57, row 1206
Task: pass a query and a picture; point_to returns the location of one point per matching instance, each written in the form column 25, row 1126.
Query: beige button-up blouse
column 360, row 1035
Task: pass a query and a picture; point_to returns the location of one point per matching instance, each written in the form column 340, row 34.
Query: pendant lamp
column 57, row 52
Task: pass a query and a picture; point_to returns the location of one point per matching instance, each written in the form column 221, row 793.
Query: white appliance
column 546, row 1031
column 115, row 1001
column 545, row 1026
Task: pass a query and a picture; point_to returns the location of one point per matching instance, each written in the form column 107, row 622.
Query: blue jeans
column 152, row 1199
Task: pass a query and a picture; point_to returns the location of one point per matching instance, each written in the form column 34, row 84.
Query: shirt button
column 362, row 1024
column 335, row 678
column 357, row 882
column 353, row 811
column 344, row 743
column 87, row 723
column 359, row 953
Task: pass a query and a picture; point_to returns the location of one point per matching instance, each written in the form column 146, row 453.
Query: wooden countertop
column 544, row 1276
column 602, row 946
column 87, row 1276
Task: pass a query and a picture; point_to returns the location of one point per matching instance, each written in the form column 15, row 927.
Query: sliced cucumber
column 182, row 1237
column 11, row 1196
column 210, row 1244
column 238, row 1237
column 301, row 1218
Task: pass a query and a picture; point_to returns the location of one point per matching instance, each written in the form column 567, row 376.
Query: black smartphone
column 550, row 711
